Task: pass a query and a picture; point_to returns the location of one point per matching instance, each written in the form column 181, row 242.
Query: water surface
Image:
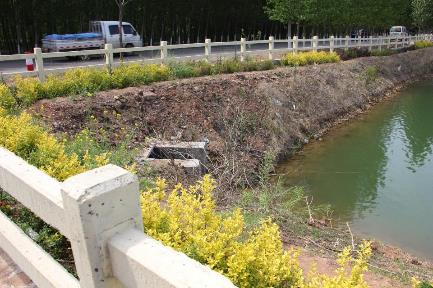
column 377, row 171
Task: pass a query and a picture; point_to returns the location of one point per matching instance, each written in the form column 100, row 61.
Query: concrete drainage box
column 191, row 156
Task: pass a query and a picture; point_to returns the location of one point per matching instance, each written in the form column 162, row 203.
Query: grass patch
column 370, row 74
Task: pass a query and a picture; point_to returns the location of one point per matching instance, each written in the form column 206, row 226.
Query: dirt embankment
column 243, row 115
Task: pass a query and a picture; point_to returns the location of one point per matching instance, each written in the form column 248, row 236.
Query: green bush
column 308, row 58
column 182, row 70
column 423, row 44
column 370, row 74
column 353, row 53
column 384, row 52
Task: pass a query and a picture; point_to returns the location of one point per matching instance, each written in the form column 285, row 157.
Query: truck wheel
column 84, row 57
column 129, row 45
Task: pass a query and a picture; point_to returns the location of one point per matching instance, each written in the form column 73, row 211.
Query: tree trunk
column 120, row 25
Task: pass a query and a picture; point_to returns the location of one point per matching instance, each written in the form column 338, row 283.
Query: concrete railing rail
column 293, row 45
column 99, row 212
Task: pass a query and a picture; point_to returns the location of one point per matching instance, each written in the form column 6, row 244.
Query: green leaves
column 331, row 16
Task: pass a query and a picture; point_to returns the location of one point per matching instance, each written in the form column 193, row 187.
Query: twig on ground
column 351, row 236
column 311, row 219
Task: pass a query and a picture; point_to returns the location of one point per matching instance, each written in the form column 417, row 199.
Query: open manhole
column 191, row 156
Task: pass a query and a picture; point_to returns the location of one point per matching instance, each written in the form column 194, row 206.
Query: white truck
column 101, row 32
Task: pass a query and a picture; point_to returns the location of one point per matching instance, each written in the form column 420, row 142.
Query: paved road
column 19, row 66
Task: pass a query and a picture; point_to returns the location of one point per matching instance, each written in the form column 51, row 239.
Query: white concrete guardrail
column 99, row 212
column 293, row 45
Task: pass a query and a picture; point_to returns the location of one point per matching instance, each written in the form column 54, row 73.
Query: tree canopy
column 340, row 16
column 24, row 22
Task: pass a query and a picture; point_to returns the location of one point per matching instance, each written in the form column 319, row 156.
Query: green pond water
column 377, row 171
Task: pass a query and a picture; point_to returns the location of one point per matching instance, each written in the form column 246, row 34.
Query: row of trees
column 339, row 16
column 24, row 22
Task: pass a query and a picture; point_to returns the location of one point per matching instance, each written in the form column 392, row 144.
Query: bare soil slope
column 243, row 115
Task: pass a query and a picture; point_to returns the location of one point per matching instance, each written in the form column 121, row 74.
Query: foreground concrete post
column 271, row 47
column 207, row 48
column 243, row 48
column 347, row 43
column 39, row 64
column 99, row 204
column 109, row 59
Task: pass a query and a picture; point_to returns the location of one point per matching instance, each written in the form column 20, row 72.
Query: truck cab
column 110, row 32
column 400, row 31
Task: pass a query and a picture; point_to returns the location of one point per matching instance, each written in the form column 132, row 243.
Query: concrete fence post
column 100, row 204
column 347, row 43
column 39, row 64
column 164, row 51
column 331, row 44
column 359, row 42
column 380, row 43
column 207, row 49
column 243, row 48
column 396, row 42
column 315, row 43
column 109, row 58
column 271, row 47
column 295, row 44
column 370, row 43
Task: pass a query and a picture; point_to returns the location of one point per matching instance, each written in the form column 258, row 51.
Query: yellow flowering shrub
column 421, row 284
column 189, row 223
column 186, row 219
column 423, row 44
column 137, row 74
column 311, row 57
column 31, row 142
column 28, row 90
column 344, row 276
column 7, row 100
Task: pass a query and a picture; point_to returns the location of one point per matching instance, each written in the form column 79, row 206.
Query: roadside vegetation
column 309, row 58
column 23, row 92
column 423, row 44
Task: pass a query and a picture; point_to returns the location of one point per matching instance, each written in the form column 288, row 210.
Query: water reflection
column 377, row 172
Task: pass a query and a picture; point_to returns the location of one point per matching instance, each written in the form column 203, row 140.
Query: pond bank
column 246, row 116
